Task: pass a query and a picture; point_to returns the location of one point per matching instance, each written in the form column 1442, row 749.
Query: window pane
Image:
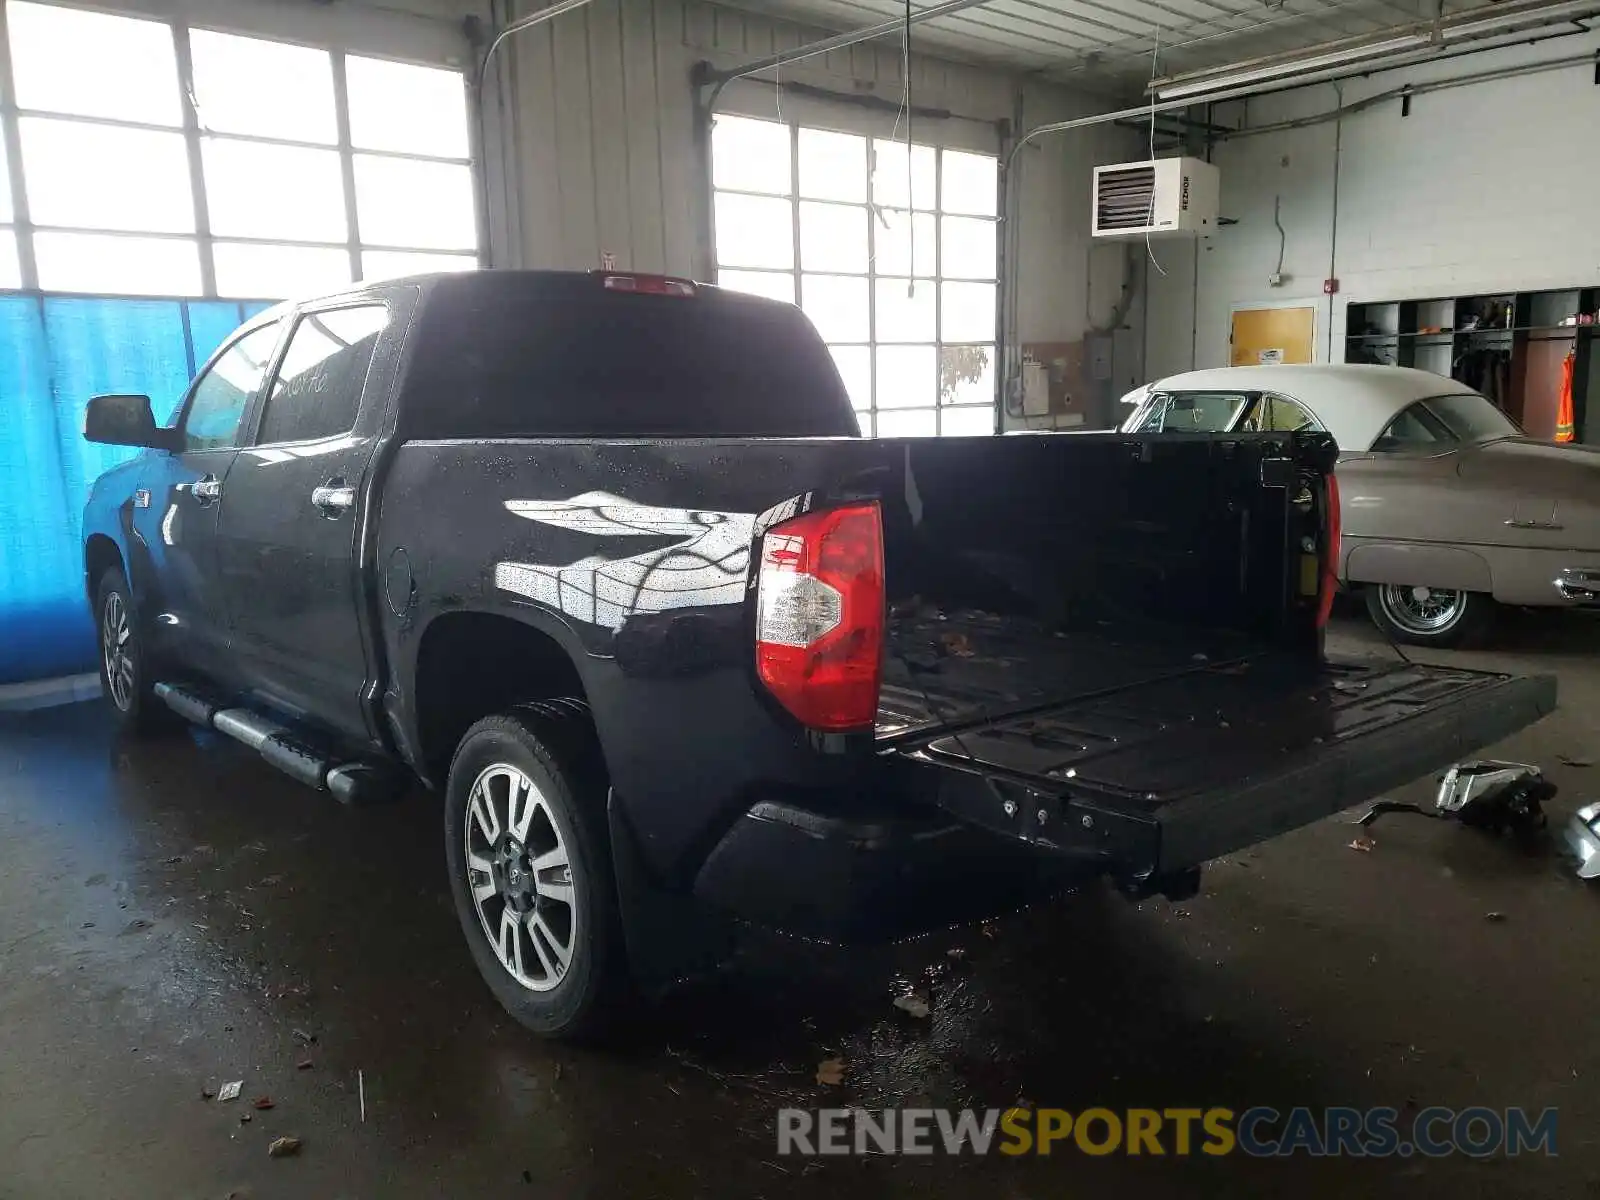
column 402, row 202
column 753, row 231
column 889, row 183
column 833, row 166
column 966, row 248
column 97, row 177
column 249, row 193
column 397, row 106
column 106, row 263
column 914, row 423
column 750, row 156
column 893, row 245
column 774, row 285
column 223, row 393
column 837, row 306
column 971, row 421
column 233, row 76
column 10, row 271
column 318, row 388
column 906, row 317
column 5, row 185
column 393, row 264
column 258, row 272
column 970, row 184
column 907, row 376
column 833, row 237
column 966, row 375
column 69, row 61
column 968, row 312
column 855, row 368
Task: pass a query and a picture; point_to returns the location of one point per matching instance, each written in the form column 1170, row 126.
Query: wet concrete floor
column 175, row 915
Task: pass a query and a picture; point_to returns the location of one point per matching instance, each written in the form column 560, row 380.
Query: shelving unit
column 1514, row 351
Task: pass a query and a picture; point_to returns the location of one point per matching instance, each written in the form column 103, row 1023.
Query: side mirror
column 124, row 421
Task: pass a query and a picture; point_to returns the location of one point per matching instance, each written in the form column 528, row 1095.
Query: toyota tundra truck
column 603, row 560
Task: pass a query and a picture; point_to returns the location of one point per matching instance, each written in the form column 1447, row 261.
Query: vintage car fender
column 1418, row 563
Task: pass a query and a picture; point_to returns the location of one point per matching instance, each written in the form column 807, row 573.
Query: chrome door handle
column 333, row 498
column 207, row 489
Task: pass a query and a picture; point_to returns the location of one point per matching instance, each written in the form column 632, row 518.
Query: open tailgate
column 1153, row 765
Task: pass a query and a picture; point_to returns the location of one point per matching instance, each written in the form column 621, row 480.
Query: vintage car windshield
column 1190, row 412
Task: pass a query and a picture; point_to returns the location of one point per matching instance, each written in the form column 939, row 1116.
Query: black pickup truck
column 604, row 559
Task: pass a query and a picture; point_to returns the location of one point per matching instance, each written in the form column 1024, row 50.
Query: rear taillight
column 820, row 614
column 1331, row 533
column 649, row 285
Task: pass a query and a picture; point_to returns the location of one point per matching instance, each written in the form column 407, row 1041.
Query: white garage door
column 162, row 160
column 892, row 259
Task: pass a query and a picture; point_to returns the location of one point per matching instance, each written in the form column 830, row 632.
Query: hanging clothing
column 1485, row 371
column 1565, row 431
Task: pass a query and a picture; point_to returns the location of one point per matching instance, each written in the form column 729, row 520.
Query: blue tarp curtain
column 56, row 352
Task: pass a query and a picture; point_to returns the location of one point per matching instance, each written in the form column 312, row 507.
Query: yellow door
column 1272, row 335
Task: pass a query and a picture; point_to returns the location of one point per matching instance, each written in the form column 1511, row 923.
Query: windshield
column 1190, row 412
column 1472, row 418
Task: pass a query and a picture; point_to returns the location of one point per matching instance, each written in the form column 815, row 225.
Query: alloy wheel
column 115, row 633
column 1421, row 610
column 520, row 877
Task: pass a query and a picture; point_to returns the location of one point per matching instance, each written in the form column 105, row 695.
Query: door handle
column 206, row 489
column 333, row 497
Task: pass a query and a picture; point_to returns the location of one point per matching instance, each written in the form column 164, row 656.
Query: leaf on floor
column 830, row 1071
column 284, row 1147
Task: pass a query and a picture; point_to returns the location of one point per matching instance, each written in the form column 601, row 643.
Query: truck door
column 177, row 528
column 288, row 529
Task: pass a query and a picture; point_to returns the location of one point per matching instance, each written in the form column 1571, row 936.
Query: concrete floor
column 176, row 915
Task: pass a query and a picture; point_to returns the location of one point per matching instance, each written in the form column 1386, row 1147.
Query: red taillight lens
column 820, row 614
column 1330, row 550
column 649, row 285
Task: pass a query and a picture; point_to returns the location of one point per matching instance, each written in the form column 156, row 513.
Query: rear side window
column 225, row 390
column 317, row 391
column 515, row 355
column 1192, row 412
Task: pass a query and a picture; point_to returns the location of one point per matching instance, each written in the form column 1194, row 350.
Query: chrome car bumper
column 1579, row 584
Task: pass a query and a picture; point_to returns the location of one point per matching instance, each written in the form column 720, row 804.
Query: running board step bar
column 352, row 783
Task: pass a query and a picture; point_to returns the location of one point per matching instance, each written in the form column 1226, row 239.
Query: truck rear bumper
column 872, row 879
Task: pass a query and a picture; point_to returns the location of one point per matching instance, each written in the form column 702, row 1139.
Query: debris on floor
column 913, row 1005
column 830, row 1071
column 304, row 1038
column 1567, row 761
column 956, row 644
column 303, row 1065
column 230, row 1091
column 1494, row 916
column 1362, row 843
column 262, row 1103
column 284, row 1147
column 1485, row 794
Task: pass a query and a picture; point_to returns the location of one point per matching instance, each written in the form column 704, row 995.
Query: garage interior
column 922, row 183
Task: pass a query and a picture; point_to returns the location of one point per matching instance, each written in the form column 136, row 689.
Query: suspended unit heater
column 1159, row 197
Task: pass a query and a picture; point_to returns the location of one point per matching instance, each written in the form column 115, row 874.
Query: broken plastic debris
column 830, row 1071
column 284, row 1147
column 1362, row 843
column 303, row 1065
column 262, row 1103
column 1494, row 916
column 230, row 1091
column 912, row 1005
column 304, row 1038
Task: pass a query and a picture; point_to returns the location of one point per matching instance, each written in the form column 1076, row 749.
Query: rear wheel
column 530, row 869
column 1427, row 616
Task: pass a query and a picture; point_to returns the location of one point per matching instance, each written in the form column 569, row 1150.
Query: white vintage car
column 1447, row 509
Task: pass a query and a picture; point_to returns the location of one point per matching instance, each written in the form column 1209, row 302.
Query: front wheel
column 124, row 673
column 530, row 870
column 1426, row 616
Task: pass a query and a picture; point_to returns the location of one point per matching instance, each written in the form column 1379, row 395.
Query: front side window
column 220, row 396
column 318, row 388
column 1192, row 412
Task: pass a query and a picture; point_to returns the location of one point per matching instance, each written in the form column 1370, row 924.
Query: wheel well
column 472, row 665
column 100, row 554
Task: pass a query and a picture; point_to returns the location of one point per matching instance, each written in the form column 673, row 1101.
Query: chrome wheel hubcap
column 114, row 635
column 1421, row 609
column 520, row 877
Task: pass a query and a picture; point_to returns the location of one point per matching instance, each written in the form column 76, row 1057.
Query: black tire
column 136, row 708
column 553, row 747
column 1468, row 619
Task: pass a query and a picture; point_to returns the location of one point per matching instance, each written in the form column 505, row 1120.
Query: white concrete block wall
column 1488, row 187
